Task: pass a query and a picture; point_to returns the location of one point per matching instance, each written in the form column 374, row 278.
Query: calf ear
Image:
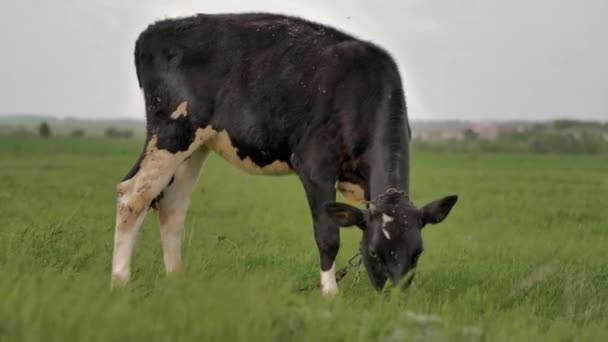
column 345, row 215
column 437, row 211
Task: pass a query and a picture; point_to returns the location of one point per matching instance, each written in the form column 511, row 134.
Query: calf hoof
column 329, row 292
column 119, row 281
column 175, row 274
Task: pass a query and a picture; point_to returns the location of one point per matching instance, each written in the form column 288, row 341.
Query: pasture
column 523, row 255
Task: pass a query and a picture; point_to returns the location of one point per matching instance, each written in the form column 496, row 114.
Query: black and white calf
column 272, row 95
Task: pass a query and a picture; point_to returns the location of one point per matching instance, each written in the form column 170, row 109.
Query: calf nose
column 408, row 280
column 403, row 280
column 398, row 272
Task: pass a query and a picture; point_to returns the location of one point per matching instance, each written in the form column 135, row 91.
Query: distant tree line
column 77, row 133
column 44, row 130
column 564, row 136
column 116, row 133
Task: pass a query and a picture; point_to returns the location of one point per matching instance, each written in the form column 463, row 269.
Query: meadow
column 522, row 257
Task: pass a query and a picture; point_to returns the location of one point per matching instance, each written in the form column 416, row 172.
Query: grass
column 522, row 256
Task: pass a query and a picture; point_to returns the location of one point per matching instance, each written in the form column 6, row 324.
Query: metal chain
column 354, row 262
column 358, row 272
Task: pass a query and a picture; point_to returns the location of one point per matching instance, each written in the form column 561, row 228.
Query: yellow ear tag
column 349, row 202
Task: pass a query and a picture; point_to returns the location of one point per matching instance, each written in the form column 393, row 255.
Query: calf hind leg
column 173, row 205
column 134, row 196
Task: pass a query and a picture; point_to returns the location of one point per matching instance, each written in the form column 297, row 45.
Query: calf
column 273, row 95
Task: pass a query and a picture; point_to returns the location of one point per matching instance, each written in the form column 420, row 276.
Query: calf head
column 392, row 239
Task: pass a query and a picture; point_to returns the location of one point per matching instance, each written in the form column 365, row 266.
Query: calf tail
column 137, row 59
column 135, row 167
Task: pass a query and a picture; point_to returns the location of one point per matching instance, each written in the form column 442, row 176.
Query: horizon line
column 416, row 118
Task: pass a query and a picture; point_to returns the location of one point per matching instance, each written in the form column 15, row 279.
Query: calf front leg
column 320, row 190
column 327, row 234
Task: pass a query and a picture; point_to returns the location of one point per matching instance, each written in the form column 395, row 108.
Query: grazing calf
column 273, row 95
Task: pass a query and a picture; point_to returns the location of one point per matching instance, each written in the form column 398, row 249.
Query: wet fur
column 282, row 94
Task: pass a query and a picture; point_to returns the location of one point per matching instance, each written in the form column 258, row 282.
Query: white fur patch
column 124, row 240
column 329, row 286
column 386, row 219
column 388, row 236
column 222, row 145
column 182, row 110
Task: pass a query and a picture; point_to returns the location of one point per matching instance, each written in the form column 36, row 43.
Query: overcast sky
column 484, row 59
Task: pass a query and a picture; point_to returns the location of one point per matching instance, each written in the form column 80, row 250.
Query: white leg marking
column 124, row 240
column 173, row 206
column 329, row 286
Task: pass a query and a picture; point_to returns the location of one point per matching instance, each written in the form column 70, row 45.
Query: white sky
column 484, row 59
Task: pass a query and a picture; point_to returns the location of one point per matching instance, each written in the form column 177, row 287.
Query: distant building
column 486, row 130
column 437, row 130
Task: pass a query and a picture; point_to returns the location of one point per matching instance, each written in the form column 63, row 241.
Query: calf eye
column 392, row 253
column 373, row 254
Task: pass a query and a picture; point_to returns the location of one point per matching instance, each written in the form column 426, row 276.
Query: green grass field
column 522, row 257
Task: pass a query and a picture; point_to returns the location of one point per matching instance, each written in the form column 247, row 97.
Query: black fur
column 326, row 103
